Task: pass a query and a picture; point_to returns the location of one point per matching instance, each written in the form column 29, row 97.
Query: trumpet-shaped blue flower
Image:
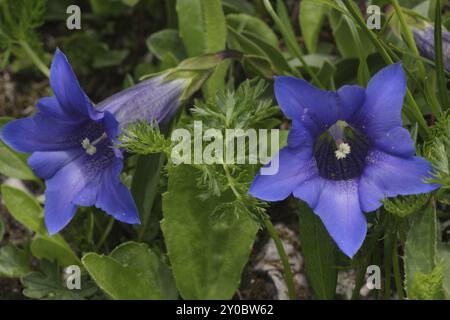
column 72, row 146
column 346, row 152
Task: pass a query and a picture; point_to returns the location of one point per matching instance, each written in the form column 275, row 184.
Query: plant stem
column 105, row 233
column 387, row 265
column 440, row 75
column 416, row 113
column 409, row 39
column 291, row 43
column 288, row 277
column 396, row 268
column 34, row 57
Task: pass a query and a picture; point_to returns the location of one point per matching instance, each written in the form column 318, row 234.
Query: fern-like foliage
column 437, row 151
column 19, row 20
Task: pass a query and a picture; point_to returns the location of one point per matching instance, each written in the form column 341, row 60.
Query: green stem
column 291, row 43
column 274, row 235
column 34, row 57
column 396, row 268
column 105, row 234
column 409, row 38
column 440, row 75
column 387, row 266
column 288, row 277
column 416, row 113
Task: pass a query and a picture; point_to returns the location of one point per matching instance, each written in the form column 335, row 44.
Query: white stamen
column 90, row 147
column 342, row 151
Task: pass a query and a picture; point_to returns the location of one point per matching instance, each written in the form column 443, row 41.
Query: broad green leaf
column 207, row 253
column 167, row 40
column 190, row 22
column 147, row 263
column 244, row 22
column 132, row 271
column 53, row 249
column 49, row 284
column 215, row 25
column 203, row 30
column 311, row 18
column 118, row 281
column 320, row 253
column 109, row 58
column 24, row 208
column 14, row 262
column 13, row 164
column 420, row 246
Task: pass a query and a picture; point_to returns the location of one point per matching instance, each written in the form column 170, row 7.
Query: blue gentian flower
column 154, row 99
column 346, row 152
column 425, row 43
column 73, row 144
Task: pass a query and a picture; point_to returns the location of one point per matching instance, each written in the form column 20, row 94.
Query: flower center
column 89, row 146
column 340, row 152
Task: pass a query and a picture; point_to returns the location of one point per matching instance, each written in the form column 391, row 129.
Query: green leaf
column 202, row 26
column 207, row 253
column 164, row 41
column 147, row 263
column 118, row 281
column 14, row 262
column 311, row 18
column 190, row 22
column 320, row 253
column 420, row 247
column 244, row 22
column 350, row 41
column 13, row 164
column 215, row 25
column 109, row 58
column 132, row 271
column 2, row 229
column 53, row 249
column 24, row 208
column 49, row 284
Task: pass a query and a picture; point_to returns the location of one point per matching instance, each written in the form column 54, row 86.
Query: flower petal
column 153, row 100
column 316, row 108
column 396, row 141
column 299, row 136
column 46, row 164
column 39, row 133
column 382, row 107
column 61, row 190
column 351, row 100
column 71, row 97
column 293, row 168
column 386, row 175
column 337, row 204
column 114, row 198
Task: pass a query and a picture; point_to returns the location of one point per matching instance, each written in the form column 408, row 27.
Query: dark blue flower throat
column 340, row 152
